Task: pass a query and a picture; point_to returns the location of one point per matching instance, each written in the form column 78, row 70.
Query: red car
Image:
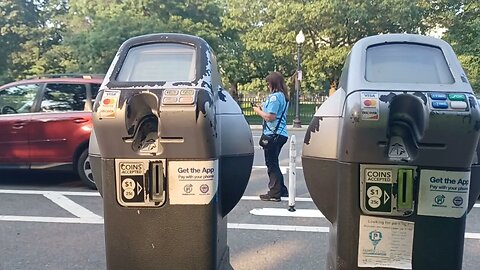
column 46, row 122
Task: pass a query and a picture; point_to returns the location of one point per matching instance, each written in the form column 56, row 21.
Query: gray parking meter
column 475, row 176
column 388, row 157
column 174, row 155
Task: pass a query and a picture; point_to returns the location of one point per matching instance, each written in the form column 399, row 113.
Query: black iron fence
column 307, row 108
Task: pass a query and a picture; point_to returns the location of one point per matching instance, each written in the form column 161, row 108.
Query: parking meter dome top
column 164, row 60
column 403, row 62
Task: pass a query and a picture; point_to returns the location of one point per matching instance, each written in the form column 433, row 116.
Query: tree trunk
column 234, row 90
column 333, row 87
column 291, row 85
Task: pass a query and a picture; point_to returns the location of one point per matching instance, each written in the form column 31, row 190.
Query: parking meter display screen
column 158, row 62
column 407, row 63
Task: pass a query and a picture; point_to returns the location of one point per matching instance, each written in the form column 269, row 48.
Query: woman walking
column 274, row 114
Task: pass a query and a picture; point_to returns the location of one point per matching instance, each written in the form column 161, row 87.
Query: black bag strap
column 279, row 120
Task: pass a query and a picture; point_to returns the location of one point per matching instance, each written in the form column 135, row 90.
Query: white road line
column 240, row 226
column 256, row 198
column 71, row 206
column 283, row 212
column 281, row 167
column 96, row 194
column 472, row 236
column 271, row 227
column 41, row 192
column 53, row 219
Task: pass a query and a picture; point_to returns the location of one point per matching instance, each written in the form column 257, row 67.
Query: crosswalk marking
column 283, row 212
column 41, row 192
column 71, row 206
column 272, row 227
column 297, row 199
column 96, row 194
column 52, row 219
column 85, row 216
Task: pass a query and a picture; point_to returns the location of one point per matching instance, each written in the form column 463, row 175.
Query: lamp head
column 300, row 38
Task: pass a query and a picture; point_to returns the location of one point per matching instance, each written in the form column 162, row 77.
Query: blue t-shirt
column 276, row 103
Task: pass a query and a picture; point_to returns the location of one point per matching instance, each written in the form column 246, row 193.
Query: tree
column 97, row 29
column 19, row 21
column 464, row 35
column 30, row 39
column 331, row 27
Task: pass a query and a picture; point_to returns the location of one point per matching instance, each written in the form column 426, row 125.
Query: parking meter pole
column 292, row 175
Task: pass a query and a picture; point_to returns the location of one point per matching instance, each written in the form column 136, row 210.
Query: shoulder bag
column 267, row 141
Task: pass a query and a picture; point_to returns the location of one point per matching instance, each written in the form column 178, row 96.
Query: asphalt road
column 50, row 220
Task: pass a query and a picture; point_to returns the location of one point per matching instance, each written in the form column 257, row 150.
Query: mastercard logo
column 370, row 102
column 108, row 101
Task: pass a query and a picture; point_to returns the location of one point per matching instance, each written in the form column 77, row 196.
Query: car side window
column 18, row 98
column 95, row 88
column 62, row 97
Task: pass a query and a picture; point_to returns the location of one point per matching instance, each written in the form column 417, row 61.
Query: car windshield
column 158, row 62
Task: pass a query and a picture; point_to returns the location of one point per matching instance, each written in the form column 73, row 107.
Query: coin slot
column 156, row 182
column 405, row 188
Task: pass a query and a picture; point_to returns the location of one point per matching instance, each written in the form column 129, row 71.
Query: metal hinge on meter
column 140, row 182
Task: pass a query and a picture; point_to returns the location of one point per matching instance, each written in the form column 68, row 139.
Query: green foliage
column 250, row 39
column 95, row 47
column 464, row 36
column 97, row 29
column 331, row 27
column 19, row 21
column 30, row 39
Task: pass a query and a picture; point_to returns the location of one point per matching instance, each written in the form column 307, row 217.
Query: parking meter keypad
column 452, row 101
column 178, row 97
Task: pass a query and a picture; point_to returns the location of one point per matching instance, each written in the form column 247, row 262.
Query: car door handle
column 80, row 120
column 18, row 125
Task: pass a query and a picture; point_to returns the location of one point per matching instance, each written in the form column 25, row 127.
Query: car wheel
column 84, row 170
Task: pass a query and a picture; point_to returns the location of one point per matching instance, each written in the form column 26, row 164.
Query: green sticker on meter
column 405, row 189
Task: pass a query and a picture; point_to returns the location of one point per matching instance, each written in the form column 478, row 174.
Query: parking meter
column 388, row 157
column 475, row 183
column 174, row 155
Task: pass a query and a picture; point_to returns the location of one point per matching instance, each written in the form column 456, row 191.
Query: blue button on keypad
column 440, row 104
column 438, row 96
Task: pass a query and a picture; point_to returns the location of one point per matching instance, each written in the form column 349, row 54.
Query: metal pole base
column 297, row 123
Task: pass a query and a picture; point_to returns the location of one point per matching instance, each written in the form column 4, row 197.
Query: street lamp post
column 300, row 38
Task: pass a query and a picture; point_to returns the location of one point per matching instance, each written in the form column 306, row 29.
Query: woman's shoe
column 266, row 197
